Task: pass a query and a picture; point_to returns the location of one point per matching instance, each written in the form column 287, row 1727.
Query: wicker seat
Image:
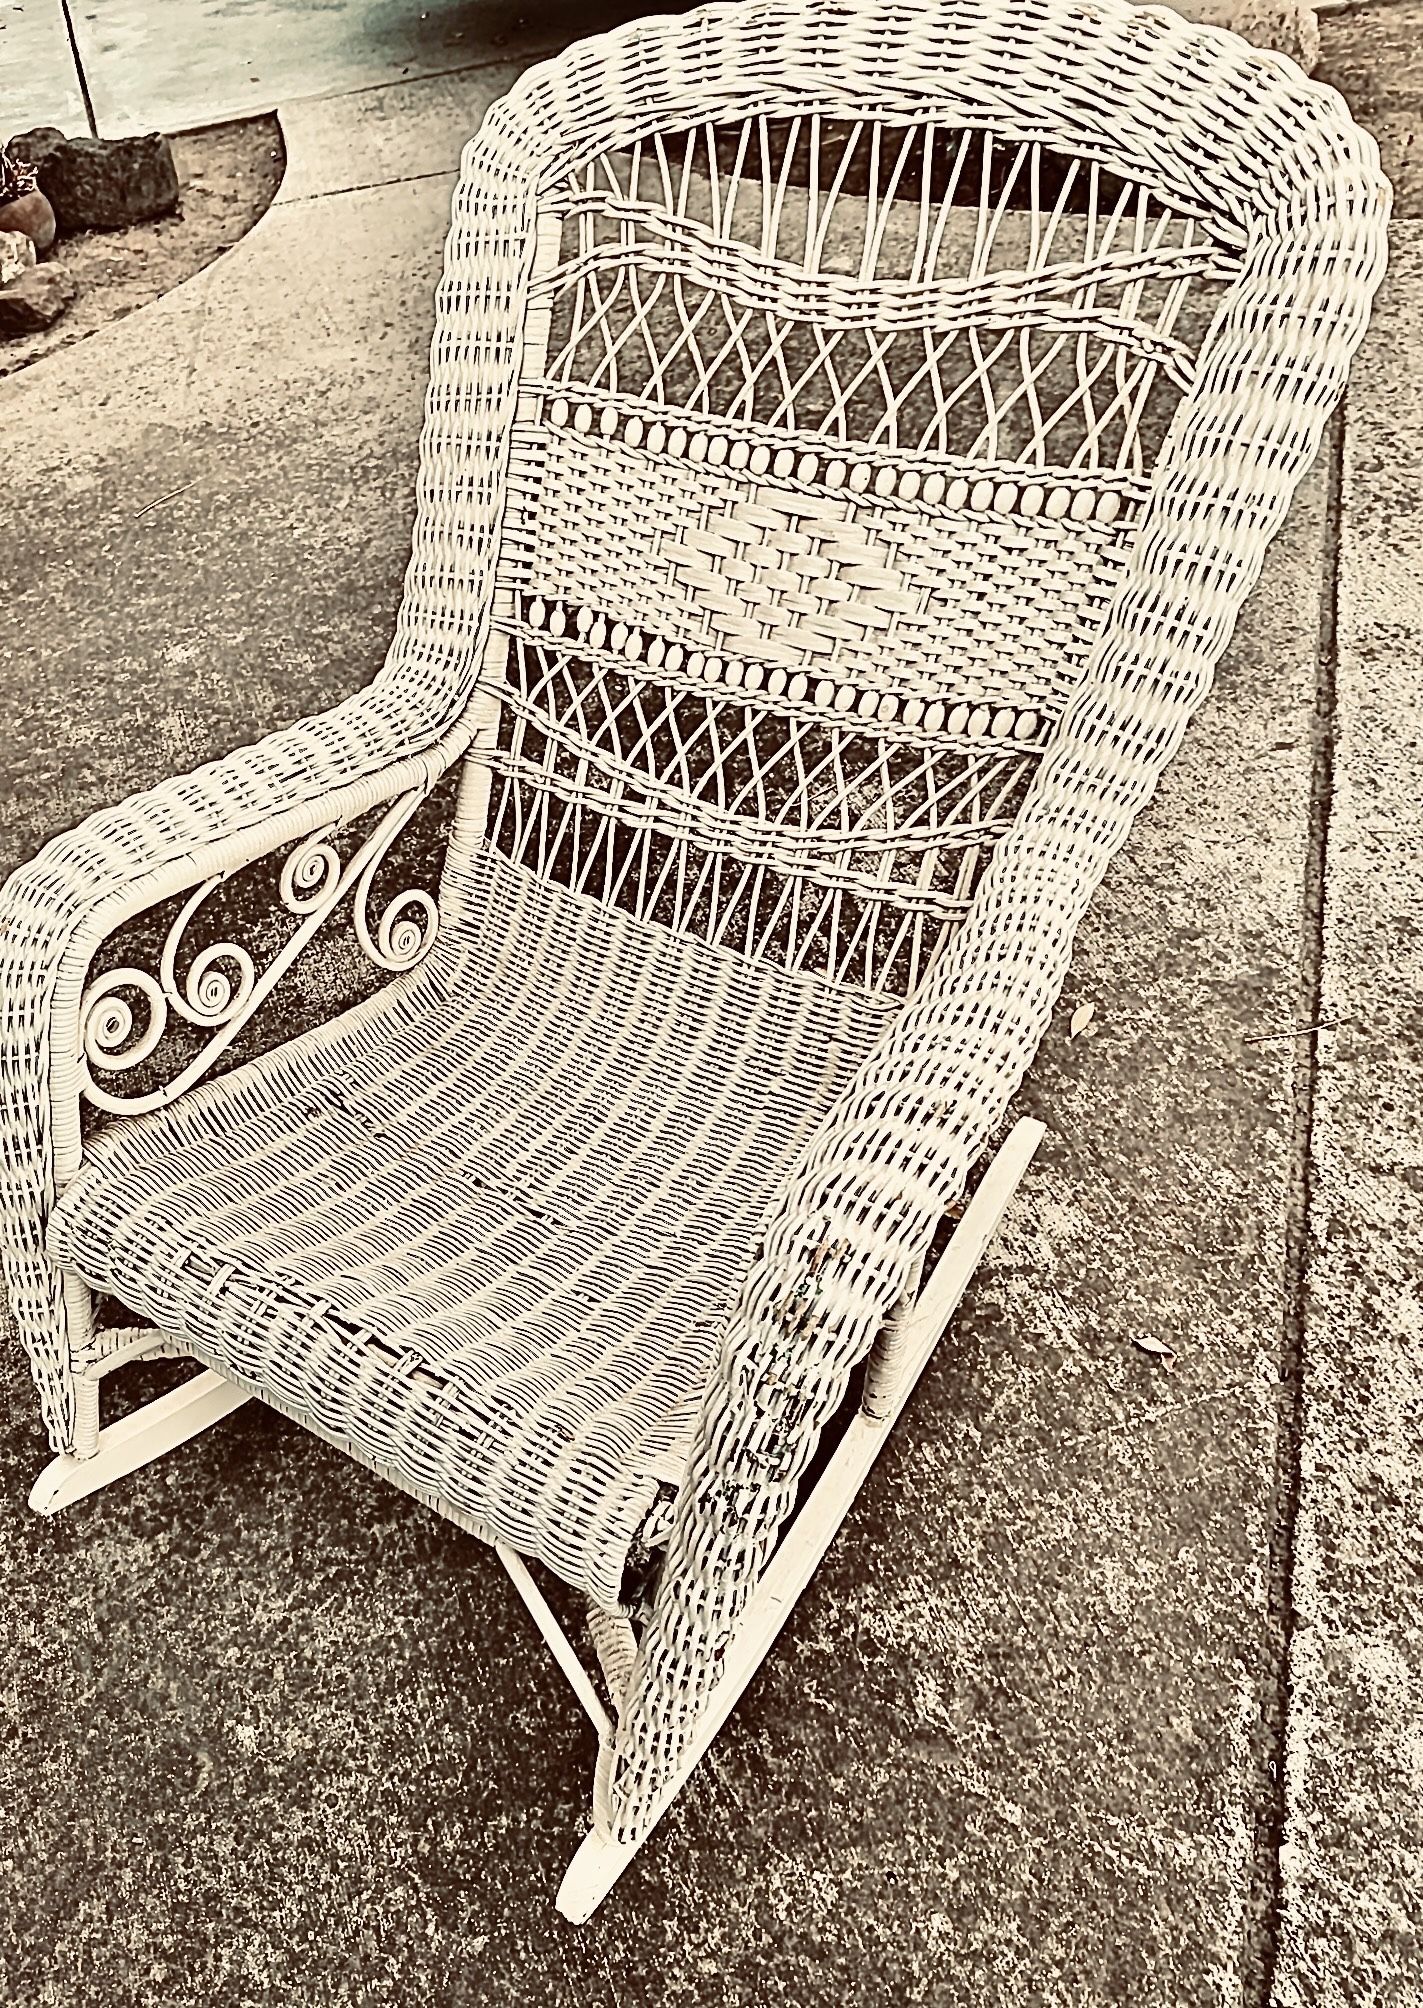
column 852, row 432
column 486, row 1228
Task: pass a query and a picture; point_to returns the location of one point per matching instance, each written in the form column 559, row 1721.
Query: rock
column 17, row 254
column 1287, row 25
column 36, row 145
column 33, row 214
column 105, row 184
column 38, row 297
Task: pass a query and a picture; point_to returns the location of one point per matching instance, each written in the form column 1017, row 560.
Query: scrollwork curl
column 222, row 986
column 108, row 1020
column 405, row 933
column 210, row 996
column 312, row 874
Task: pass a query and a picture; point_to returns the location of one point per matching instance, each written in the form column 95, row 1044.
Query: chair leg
column 900, row 1358
column 600, row 1860
column 135, row 1440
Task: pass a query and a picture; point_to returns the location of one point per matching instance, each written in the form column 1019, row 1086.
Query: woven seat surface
column 484, row 1227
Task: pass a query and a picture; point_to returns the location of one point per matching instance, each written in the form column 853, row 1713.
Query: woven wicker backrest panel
column 831, row 445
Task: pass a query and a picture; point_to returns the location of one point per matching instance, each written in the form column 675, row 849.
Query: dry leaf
column 1081, row 1018
column 1157, row 1350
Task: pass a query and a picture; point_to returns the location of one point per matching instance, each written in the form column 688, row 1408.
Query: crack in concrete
column 1268, row 1798
column 366, row 187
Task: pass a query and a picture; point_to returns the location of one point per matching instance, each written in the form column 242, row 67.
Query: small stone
column 17, row 254
column 36, row 299
column 33, row 215
column 106, row 184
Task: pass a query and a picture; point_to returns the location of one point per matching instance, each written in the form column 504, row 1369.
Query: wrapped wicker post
column 852, row 432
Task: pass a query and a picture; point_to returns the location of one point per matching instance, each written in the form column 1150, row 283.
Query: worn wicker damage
column 852, row 432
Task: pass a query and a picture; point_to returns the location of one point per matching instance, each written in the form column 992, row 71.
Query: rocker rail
column 600, row 1860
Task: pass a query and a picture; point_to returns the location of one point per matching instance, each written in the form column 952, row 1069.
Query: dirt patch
column 228, row 174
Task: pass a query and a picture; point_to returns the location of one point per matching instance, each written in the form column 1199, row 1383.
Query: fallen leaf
column 1081, row 1018
column 1157, row 1350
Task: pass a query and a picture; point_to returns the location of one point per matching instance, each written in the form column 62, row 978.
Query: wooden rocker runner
column 852, row 432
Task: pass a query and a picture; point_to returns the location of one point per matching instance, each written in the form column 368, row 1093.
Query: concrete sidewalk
column 127, row 66
column 1021, row 1743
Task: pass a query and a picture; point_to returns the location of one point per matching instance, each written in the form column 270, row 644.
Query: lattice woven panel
column 832, row 445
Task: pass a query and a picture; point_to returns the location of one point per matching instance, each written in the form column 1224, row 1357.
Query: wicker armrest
column 56, row 911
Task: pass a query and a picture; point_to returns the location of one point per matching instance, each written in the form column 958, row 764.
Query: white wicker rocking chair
column 852, row 432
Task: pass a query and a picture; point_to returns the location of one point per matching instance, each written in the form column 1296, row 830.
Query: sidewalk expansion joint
column 1268, row 1802
column 66, row 8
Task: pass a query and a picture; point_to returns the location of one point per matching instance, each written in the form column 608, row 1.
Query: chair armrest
column 423, row 707
column 861, row 1206
column 58, row 909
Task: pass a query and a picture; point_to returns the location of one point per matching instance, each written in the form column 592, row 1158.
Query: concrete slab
column 363, row 139
column 1353, row 1857
column 267, row 1729
column 195, row 62
column 1374, row 55
column 39, row 82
